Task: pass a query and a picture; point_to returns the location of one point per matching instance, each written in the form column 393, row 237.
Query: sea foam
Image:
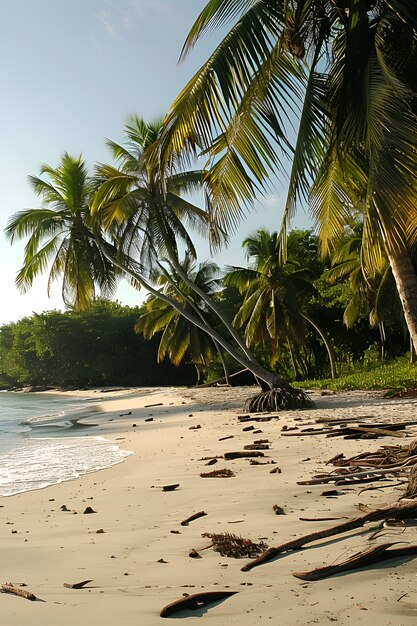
column 45, row 461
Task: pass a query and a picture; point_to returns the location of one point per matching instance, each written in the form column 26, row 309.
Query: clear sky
column 72, row 72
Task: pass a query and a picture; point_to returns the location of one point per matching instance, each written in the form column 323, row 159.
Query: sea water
column 39, row 445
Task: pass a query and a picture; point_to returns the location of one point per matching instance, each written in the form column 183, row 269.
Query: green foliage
column 93, row 347
column 397, row 374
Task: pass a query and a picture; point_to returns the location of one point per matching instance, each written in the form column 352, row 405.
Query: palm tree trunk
column 207, row 299
column 200, row 315
column 412, row 352
column 406, row 282
column 294, row 364
column 223, row 362
column 329, row 347
column 250, row 363
column 383, row 336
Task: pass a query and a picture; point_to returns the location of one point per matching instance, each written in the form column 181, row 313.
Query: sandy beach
column 136, row 552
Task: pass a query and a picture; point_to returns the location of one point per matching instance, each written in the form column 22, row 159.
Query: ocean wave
column 45, row 461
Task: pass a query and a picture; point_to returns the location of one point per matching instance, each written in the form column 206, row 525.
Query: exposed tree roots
column 282, row 398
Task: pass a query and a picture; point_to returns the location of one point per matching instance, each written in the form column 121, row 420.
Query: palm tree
column 142, row 205
column 344, row 71
column 275, row 295
column 373, row 295
column 61, row 235
column 180, row 337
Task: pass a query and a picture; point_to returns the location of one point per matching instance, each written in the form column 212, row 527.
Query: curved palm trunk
column 406, row 282
column 329, row 347
column 223, row 362
column 209, row 301
column 201, row 316
column 250, row 363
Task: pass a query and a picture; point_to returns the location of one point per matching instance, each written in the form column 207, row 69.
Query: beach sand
column 140, row 562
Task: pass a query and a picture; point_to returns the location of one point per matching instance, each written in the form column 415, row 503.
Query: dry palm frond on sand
column 234, row 546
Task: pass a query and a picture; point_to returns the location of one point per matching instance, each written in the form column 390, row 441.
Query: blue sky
column 72, row 72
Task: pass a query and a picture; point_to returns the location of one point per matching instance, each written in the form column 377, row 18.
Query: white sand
column 130, row 586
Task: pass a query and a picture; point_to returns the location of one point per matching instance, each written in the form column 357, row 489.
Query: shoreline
column 131, row 584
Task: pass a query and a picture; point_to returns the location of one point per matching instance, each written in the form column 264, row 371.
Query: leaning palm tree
column 61, row 235
column 344, row 72
column 141, row 203
column 179, row 337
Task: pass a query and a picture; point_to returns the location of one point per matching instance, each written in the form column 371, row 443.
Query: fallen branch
column 9, row 588
column 398, row 510
column 195, row 601
column 193, row 517
column 242, row 455
column 322, row 480
column 362, row 559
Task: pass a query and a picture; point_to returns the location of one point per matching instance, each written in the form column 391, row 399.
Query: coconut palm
column 142, row 204
column 275, row 294
column 344, row 71
column 61, row 235
column 373, row 296
column 179, row 337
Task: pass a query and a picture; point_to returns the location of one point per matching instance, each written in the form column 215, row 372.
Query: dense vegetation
column 93, row 347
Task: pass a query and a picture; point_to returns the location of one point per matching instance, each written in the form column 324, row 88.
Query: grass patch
column 395, row 374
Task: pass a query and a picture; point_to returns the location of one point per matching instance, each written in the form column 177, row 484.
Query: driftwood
column 9, row 588
column 328, row 478
column 170, row 487
column 411, row 490
column 234, row 546
column 195, row 601
column 259, row 418
column 256, row 446
column 351, row 432
column 219, row 473
column 148, row 406
column 247, row 454
column 79, row 585
column 193, row 517
column 228, row 437
column 319, row 519
column 400, row 510
column 362, row 559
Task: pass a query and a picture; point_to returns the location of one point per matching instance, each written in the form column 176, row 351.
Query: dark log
column 79, row 585
column 256, row 446
column 170, row 487
column 362, row 559
column 18, row 592
column 242, row 455
column 148, row 406
column 193, row 517
column 399, row 510
column 195, row 601
column 228, row 437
